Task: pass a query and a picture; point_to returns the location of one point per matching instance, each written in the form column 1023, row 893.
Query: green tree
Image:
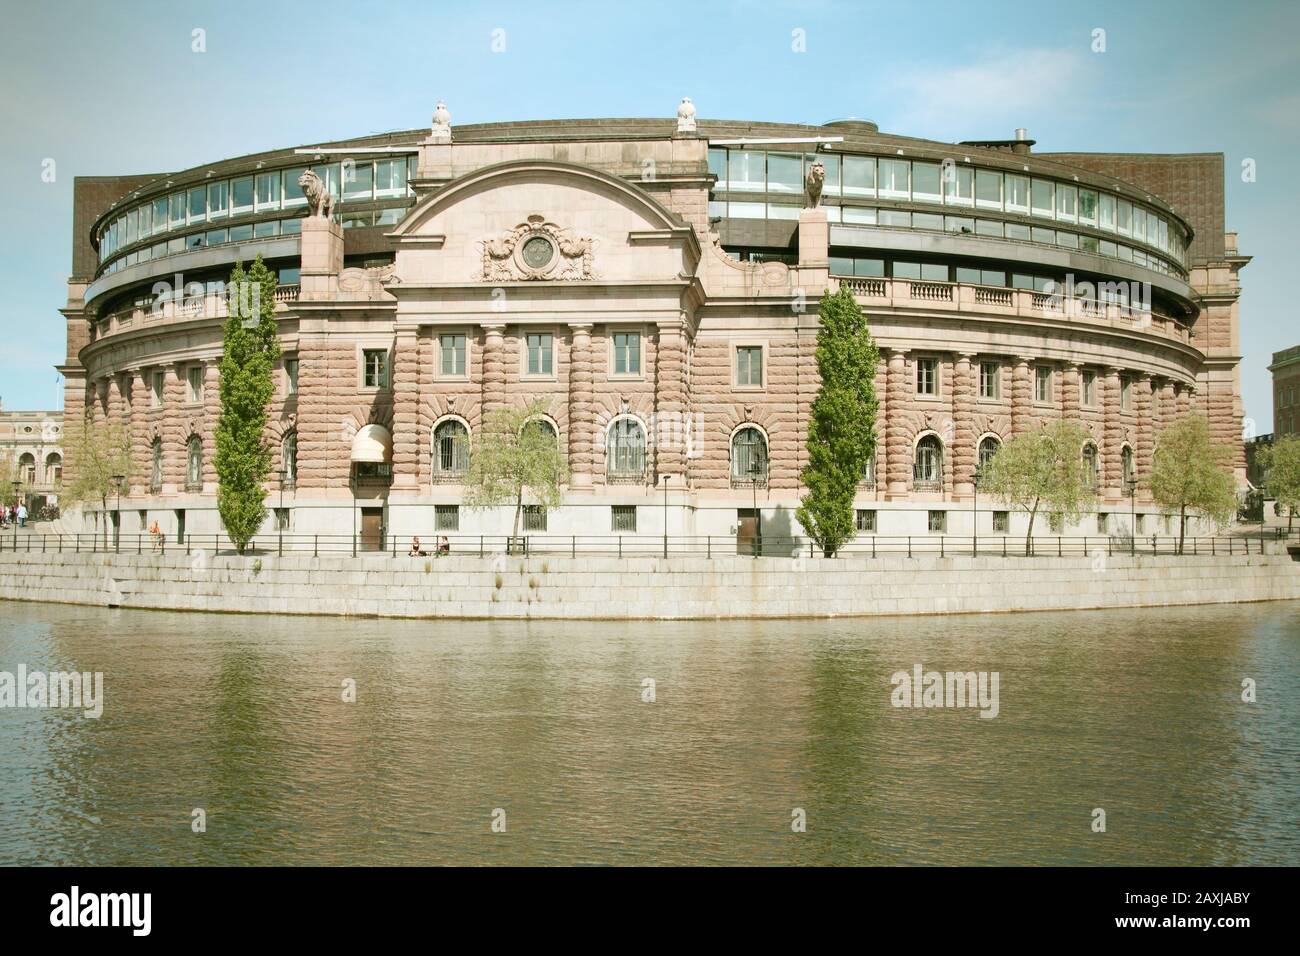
column 513, row 452
column 97, row 452
column 1191, row 472
column 249, row 350
column 1043, row 469
column 842, row 420
column 1281, row 466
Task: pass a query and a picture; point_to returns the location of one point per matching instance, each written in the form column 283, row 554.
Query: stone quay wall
column 549, row 587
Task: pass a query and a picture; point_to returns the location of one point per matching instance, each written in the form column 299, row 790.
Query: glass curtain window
column 785, row 173
column 895, row 179
column 1042, row 198
column 988, row 189
column 745, row 169
column 217, row 196
column 241, row 195
column 859, row 176
column 1017, row 195
column 358, row 180
column 959, row 186
column 926, row 182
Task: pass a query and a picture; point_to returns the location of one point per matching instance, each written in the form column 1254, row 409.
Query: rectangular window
column 1018, row 231
column 895, row 217
column 990, row 375
column 241, row 233
column 198, row 204
column 1066, row 203
column 194, row 384
column 1124, row 217
column 241, row 195
column 866, row 520
column 927, row 220
column 988, row 227
column 1106, row 212
column 1001, row 522
column 291, row 193
column 1088, row 390
column 1042, row 198
column 959, row 186
column 1042, row 385
column 895, row 182
column 1088, row 207
column 745, row 169
column 1017, row 194
column 217, row 200
column 540, row 361
column 926, row 182
column 156, row 391
column 859, row 176
column 264, row 230
column 376, row 368
column 446, row 517
column 176, row 210
column 268, row 191
column 938, row 521
column 749, row 365
column 627, row 353
column 1125, row 392
column 534, row 518
column 291, row 376
column 358, row 180
column 160, row 214
column 927, row 376
column 451, row 351
column 785, row 173
column 988, row 189
column 622, row 519
column 390, row 177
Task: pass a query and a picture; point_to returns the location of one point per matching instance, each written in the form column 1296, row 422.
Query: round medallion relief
column 537, row 252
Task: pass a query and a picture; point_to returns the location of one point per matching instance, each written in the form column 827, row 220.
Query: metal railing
column 649, row 544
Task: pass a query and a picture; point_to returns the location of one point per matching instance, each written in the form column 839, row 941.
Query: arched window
column 625, row 452
column 289, row 459
column 27, row 468
column 450, row 450
column 988, row 448
column 1090, row 464
column 194, row 464
column 748, row 458
column 927, row 469
column 54, row 469
column 543, row 427
column 1126, row 458
column 155, row 474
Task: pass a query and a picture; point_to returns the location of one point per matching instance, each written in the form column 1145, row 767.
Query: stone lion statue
column 813, row 183
column 319, row 201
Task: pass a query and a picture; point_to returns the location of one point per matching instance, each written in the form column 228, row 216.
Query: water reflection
column 1137, row 712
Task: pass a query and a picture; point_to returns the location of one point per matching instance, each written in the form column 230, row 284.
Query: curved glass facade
column 241, row 208
column 886, row 191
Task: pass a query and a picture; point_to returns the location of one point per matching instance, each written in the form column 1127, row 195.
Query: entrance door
column 746, row 530
column 372, row 529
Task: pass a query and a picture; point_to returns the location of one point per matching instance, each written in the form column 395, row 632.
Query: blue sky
column 114, row 88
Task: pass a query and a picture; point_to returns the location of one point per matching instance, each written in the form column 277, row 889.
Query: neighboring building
column 31, row 451
column 1286, row 392
column 1255, row 471
column 655, row 282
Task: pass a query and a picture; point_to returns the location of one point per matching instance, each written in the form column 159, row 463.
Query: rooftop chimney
column 1022, row 142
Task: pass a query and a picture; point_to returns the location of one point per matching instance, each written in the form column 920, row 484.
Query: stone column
column 1142, row 406
column 140, row 461
column 582, row 422
column 1166, row 403
column 670, row 400
column 963, row 432
column 1182, row 400
column 174, row 432
column 1022, row 396
column 494, row 368
column 406, row 410
column 898, row 461
column 1112, row 433
column 1071, row 391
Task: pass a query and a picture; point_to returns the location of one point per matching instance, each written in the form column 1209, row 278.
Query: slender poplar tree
column 249, row 350
column 842, row 421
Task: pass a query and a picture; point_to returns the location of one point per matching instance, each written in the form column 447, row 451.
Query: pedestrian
column 155, row 533
column 21, row 512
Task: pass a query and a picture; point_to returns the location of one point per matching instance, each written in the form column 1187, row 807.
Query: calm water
column 1135, row 712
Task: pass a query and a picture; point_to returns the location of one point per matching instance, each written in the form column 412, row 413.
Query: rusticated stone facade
column 544, row 263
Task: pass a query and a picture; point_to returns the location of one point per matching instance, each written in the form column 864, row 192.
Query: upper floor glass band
column 885, row 191
column 243, row 207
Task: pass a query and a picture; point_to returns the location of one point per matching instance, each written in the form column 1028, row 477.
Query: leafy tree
column 1281, row 465
column 97, row 453
column 249, row 350
column 1043, row 469
column 1190, row 471
column 514, row 452
column 841, row 427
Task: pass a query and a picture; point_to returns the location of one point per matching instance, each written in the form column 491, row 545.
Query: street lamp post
column 279, row 514
column 17, row 485
column 665, row 480
column 117, row 513
column 756, row 469
column 1130, row 488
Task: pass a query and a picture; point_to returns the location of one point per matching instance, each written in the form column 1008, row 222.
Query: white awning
column 373, row 444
